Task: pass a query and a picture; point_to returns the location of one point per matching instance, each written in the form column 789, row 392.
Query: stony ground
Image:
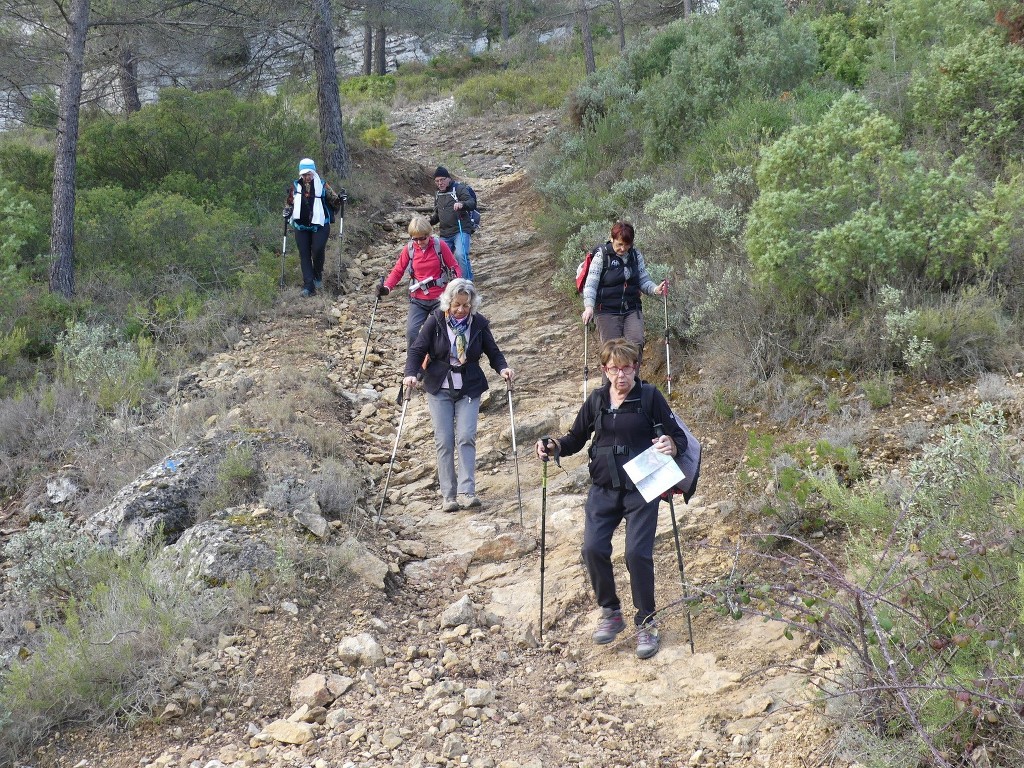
column 449, row 664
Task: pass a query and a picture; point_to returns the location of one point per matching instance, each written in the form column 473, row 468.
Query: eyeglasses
column 615, row 370
column 422, row 239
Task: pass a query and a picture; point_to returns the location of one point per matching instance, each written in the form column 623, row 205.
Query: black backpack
column 688, row 460
column 474, row 215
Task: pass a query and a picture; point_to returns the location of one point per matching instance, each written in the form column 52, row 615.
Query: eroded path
column 728, row 704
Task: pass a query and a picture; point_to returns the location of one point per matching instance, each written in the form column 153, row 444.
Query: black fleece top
column 433, row 341
column 626, row 426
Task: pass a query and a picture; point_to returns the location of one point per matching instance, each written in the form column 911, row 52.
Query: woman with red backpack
column 615, row 281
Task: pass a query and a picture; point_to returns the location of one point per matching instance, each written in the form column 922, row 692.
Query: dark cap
column 442, row 172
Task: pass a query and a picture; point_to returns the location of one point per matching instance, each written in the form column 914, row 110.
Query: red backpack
column 584, row 269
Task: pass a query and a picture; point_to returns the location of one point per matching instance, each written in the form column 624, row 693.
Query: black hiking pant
column 312, row 251
column 605, row 509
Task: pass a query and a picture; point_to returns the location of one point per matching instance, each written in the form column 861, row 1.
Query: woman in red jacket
column 431, row 266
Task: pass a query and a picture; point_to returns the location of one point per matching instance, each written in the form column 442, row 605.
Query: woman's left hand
column 662, row 290
column 508, row 374
column 664, row 444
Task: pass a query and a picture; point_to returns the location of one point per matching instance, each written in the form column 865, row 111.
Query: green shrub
column 973, row 95
column 235, row 149
column 747, row 47
column 113, row 371
column 45, row 562
column 369, row 116
column 360, row 89
column 381, row 136
column 516, row 91
column 236, row 480
column 843, row 207
column 843, row 47
column 792, row 500
column 878, row 391
column 939, row 603
column 21, row 160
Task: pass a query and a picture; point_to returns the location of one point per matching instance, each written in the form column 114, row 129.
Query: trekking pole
column 515, row 449
column 679, row 555
column 668, row 362
column 586, row 359
column 369, row 331
column 341, row 251
column 403, row 395
column 284, row 250
column 682, row 574
column 543, row 528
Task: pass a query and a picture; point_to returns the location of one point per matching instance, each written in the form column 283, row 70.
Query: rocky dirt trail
column 447, row 665
column 735, row 701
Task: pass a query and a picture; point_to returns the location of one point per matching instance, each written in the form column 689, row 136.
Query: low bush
column 113, row 370
column 844, row 208
column 924, row 605
column 973, row 96
column 380, row 136
column 113, row 654
column 235, row 481
column 373, row 88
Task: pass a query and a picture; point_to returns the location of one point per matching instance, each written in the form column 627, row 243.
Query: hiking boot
column 471, row 502
column 306, row 293
column 609, row 626
column 647, row 642
column 318, row 284
column 450, row 505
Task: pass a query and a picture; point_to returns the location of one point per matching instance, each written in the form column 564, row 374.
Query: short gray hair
column 460, row 285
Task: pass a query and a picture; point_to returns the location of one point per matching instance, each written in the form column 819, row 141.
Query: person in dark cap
column 452, row 204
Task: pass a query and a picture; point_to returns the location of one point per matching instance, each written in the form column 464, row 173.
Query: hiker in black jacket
column 617, row 278
column 622, row 431
column 452, row 204
column 452, row 340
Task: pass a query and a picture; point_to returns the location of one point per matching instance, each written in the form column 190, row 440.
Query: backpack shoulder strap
column 647, row 400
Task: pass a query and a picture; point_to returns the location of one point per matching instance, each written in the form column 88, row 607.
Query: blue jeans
column 460, row 247
column 454, row 429
column 605, row 509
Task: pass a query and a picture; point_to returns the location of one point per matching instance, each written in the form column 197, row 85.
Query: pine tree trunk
column 332, row 137
column 380, row 52
column 505, row 16
column 588, row 39
column 622, row 24
column 367, row 48
column 62, row 222
column 128, row 77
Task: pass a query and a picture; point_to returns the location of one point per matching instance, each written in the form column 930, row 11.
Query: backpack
column 688, row 460
column 447, row 273
column 583, row 269
column 474, row 215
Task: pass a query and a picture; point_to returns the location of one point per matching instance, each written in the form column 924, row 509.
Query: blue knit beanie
column 306, row 165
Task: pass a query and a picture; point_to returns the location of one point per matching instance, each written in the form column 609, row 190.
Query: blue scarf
column 460, row 327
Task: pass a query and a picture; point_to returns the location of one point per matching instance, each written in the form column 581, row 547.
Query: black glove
column 287, row 212
column 383, row 290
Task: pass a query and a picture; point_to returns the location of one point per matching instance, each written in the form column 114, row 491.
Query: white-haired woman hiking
column 452, row 340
